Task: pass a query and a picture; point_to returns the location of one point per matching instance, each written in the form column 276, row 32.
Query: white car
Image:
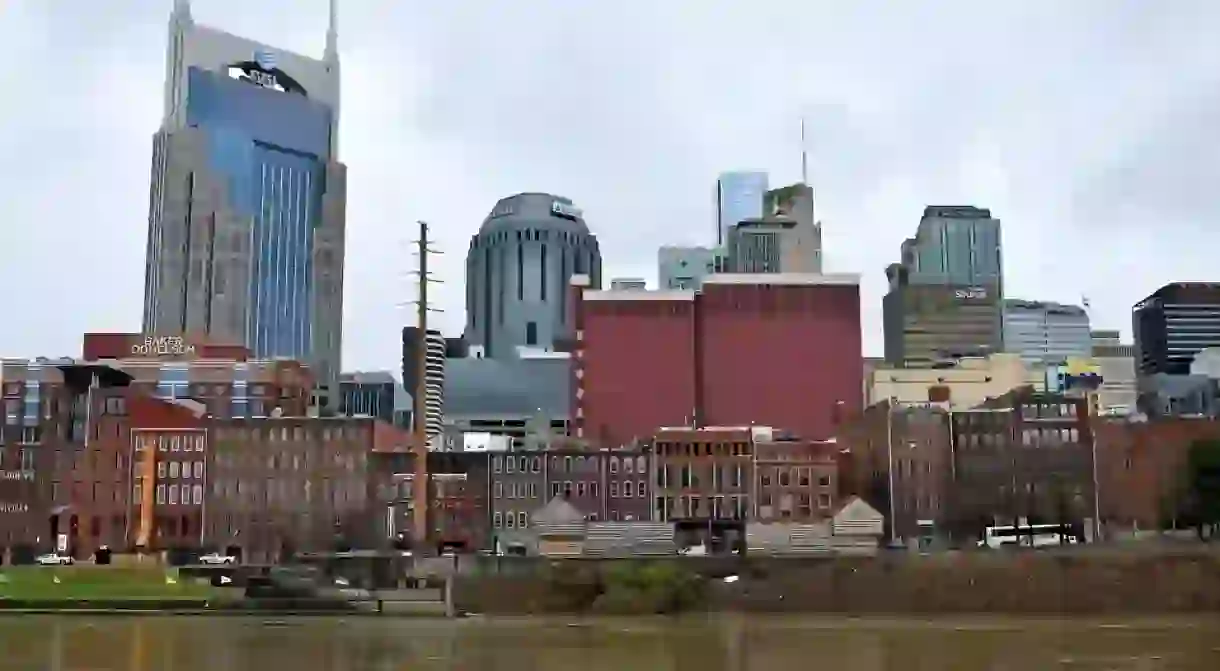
column 54, row 560
column 215, row 559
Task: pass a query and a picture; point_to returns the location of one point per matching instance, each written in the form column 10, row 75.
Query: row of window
column 191, row 495
column 577, row 464
column 284, row 460
column 185, row 469
column 786, row 477
column 522, row 490
column 297, row 433
column 510, row 520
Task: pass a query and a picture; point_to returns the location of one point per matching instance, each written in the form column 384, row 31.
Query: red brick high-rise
column 780, row 350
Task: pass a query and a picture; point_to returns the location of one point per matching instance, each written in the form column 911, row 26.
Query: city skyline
column 1055, row 183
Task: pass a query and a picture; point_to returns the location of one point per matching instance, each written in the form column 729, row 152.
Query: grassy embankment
column 100, row 583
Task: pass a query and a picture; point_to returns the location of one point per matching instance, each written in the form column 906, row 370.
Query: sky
column 1091, row 128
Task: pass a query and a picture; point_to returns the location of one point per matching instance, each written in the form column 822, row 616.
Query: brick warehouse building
column 777, row 349
column 1024, row 454
column 155, row 442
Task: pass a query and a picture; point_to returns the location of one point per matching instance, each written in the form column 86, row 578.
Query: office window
column 522, row 519
column 160, row 494
column 199, row 469
column 197, row 490
column 531, row 333
column 173, row 469
column 496, row 465
column 510, row 520
column 499, row 490
column 160, row 469
column 173, row 493
column 498, row 520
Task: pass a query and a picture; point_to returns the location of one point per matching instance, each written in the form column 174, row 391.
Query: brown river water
column 737, row 643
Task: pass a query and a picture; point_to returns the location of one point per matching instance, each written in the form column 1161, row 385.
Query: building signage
column 262, row 71
column 17, row 475
column 971, row 294
column 162, row 346
column 14, row 507
column 565, row 210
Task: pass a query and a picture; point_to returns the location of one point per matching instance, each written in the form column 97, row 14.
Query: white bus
column 1028, row 535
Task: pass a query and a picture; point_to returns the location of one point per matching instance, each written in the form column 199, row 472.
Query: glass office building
column 739, row 196
column 246, row 214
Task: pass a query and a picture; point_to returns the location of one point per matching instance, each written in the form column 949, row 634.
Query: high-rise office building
column 1174, row 324
column 739, row 195
column 1046, row 332
column 685, row 267
column 518, row 271
column 434, row 374
column 946, row 294
column 955, row 245
column 246, row 211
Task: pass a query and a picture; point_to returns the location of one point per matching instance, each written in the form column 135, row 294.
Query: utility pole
column 419, row 424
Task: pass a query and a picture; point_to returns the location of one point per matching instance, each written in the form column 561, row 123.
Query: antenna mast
column 804, row 156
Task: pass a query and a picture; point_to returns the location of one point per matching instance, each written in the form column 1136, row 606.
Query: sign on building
column 153, row 346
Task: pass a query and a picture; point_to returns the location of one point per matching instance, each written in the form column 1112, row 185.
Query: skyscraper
column 246, row 211
column 518, row 273
column 739, row 195
column 946, row 293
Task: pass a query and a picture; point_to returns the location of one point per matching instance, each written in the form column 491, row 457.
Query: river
column 729, row 643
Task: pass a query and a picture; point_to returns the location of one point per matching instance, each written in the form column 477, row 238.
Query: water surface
column 177, row 643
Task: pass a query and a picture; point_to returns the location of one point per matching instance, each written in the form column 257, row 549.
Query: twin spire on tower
column 182, row 14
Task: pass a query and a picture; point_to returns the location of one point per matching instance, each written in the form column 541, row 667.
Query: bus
column 1029, row 535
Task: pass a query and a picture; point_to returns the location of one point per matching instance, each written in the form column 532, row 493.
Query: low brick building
column 1143, row 470
column 1024, row 455
column 795, row 480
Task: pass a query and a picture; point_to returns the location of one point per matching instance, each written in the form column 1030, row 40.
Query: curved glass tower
column 246, row 211
column 518, row 271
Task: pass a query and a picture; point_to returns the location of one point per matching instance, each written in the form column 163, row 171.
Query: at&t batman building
column 246, row 213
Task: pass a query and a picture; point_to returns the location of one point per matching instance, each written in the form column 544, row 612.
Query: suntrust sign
column 971, row 294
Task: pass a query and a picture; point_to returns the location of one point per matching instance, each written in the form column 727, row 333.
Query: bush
column 660, row 587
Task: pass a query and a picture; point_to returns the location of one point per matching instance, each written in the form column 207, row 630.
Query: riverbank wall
column 1032, row 583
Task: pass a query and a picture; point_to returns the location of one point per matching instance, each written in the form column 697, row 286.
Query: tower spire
column 804, row 156
column 332, row 33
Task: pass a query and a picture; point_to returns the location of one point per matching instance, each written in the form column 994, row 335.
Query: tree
column 1203, row 483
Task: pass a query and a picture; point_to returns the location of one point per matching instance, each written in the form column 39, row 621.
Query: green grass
column 97, row 582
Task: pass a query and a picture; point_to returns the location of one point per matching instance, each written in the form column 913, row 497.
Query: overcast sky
column 1090, row 127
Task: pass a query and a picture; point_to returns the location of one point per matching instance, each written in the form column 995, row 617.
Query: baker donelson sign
column 162, row 346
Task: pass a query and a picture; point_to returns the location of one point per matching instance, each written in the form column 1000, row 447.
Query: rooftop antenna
column 332, row 33
column 804, row 156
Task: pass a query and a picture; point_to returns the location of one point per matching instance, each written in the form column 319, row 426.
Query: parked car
column 215, row 558
column 54, row 559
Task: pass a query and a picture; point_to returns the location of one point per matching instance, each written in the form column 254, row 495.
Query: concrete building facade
column 518, row 269
column 246, row 211
column 684, row 268
column 434, row 374
column 1044, row 332
column 933, row 324
column 775, row 244
column 967, row 383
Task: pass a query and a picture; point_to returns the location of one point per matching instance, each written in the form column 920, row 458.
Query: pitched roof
column 557, row 511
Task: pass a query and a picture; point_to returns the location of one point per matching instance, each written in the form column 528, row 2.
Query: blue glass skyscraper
column 246, row 211
column 739, row 195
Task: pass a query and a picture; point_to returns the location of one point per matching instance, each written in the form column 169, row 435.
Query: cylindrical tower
column 518, row 270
